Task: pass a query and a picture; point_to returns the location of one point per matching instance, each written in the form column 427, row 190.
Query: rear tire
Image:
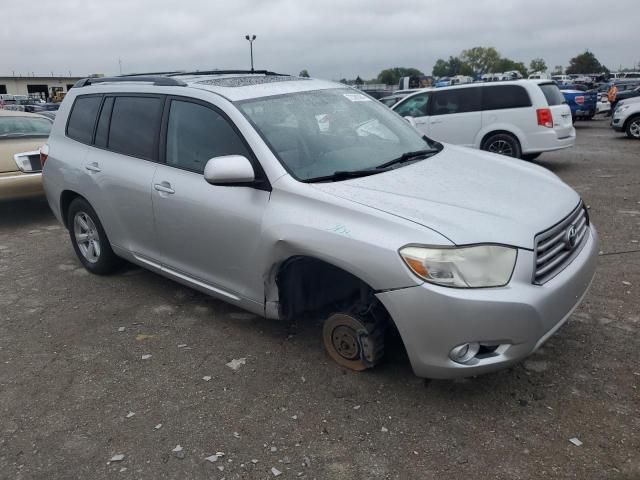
column 502, row 144
column 89, row 239
column 633, row 127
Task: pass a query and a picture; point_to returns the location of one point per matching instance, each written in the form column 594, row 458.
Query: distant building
column 43, row 87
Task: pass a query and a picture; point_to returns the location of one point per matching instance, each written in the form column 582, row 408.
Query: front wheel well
column 306, row 284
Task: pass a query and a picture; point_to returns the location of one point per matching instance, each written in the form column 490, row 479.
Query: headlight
column 464, row 267
column 622, row 108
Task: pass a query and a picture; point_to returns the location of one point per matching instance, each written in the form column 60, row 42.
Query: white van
column 520, row 119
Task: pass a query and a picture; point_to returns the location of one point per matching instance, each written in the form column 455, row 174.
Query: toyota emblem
column 571, row 237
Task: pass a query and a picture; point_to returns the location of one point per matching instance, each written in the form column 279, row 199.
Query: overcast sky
column 330, row 38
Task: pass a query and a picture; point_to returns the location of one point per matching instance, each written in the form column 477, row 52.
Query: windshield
column 24, row 126
column 317, row 133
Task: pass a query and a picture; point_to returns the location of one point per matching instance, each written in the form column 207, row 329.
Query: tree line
column 477, row 61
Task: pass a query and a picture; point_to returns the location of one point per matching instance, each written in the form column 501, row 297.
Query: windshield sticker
column 357, row 97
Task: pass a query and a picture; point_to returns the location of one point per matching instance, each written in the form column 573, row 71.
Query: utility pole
column 251, row 38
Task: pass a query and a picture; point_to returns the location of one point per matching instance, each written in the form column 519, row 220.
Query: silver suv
column 289, row 197
column 626, row 118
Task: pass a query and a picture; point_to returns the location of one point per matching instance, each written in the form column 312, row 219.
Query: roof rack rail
column 148, row 74
column 158, row 80
column 229, row 72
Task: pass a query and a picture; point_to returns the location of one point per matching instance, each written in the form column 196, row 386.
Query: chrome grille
column 556, row 247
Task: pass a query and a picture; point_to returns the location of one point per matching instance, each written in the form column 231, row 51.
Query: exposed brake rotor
column 353, row 343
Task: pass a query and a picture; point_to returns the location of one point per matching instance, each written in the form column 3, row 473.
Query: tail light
column 580, row 99
column 545, row 119
column 44, row 154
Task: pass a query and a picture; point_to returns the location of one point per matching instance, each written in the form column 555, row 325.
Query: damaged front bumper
column 510, row 322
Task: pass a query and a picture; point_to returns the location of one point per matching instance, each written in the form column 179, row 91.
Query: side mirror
column 411, row 120
column 229, row 170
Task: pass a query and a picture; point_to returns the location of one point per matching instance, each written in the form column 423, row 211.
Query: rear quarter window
column 82, row 118
column 552, row 93
column 499, row 97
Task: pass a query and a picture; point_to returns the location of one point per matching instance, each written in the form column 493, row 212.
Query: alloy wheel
column 501, row 147
column 87, row 237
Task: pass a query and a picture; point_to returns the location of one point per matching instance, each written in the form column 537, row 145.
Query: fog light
column 465, row 352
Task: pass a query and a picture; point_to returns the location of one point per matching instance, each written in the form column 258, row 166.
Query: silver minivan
column 293, row 197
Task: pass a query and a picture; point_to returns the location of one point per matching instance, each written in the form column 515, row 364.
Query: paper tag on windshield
column 357, row 97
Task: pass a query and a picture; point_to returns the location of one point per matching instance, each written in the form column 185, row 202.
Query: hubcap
column 86, row 236
column 501, row 147
column 634, row 128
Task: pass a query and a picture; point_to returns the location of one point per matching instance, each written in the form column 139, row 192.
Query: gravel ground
column 76, row 387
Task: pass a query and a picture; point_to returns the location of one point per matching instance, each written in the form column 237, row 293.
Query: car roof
column 244, row 87
column 232, row 86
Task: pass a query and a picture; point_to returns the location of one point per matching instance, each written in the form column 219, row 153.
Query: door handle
column 164, row 187
column 433, row 122
column 93, row 167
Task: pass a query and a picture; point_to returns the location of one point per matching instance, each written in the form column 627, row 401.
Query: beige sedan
column 21, row 136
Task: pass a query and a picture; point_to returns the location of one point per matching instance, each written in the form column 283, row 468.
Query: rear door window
column 457, row 100
column 552, row 93
column 82, row 118
column 499, row 97
column 135, row 124
column 196, row 133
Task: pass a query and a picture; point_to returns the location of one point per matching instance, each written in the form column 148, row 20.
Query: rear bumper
column 519, row 318
column 547, row 141
column 15, row 185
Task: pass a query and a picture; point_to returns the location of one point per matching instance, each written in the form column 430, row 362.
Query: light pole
column 251, row 38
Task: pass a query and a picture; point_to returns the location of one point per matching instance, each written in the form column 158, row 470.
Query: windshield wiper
column 345, row 174
column 409, row 156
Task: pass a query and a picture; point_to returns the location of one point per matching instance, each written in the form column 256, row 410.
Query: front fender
column 355, row 238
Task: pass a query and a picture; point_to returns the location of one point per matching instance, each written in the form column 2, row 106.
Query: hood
column 467, row 195
column 628, row 101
